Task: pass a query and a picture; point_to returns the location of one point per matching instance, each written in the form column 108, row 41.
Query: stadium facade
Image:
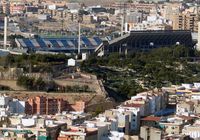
column 146, row 40
column 58, row 45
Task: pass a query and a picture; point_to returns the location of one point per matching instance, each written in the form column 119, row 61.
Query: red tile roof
column 186, row 117
column 151, row 118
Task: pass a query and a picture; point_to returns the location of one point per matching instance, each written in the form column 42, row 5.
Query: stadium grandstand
column 146, row 40
column 63, row 45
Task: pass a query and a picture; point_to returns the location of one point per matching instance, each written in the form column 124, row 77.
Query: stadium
column 64, row 45
column 146, row 40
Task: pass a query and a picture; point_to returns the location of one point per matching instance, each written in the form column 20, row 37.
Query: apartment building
column 185, row 108
column 43, row 105
column 31, row 128
column 192, row 130
column 122, row 117
column 149, row 102
column 150, row 133
column 185, row 21
column 175, row 125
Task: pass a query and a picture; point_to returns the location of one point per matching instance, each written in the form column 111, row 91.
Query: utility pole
column 79, row 37
column 5, row 31
column 79, row 31
column 123, row 17
column 7, row 13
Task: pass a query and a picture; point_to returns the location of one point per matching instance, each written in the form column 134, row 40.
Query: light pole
column 79, row 37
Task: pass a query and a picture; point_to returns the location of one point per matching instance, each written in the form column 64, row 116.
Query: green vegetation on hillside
column 128, row 75
column 39, row 84
column 37, row 62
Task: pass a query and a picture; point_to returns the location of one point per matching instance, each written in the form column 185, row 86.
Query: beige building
column 173, row 128
column 176, row 124
column 79, row 133
column 150, row 133
column 87, row 19
column 186, row 20
column 184, row 107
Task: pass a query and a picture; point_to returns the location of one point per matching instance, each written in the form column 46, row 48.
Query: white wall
column 28, row 122
column 71, row 62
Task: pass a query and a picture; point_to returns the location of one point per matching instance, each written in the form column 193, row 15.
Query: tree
column 40, row 84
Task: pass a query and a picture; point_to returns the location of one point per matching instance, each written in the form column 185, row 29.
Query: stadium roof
column 146, row 40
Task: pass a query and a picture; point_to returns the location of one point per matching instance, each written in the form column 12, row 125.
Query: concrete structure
column 150, row 133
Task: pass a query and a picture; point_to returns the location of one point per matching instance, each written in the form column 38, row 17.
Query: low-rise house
column 79, row 133
column 39, row 127
column 73, row 118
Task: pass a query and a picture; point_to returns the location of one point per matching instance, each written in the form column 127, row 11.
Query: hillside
column 124, row 76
